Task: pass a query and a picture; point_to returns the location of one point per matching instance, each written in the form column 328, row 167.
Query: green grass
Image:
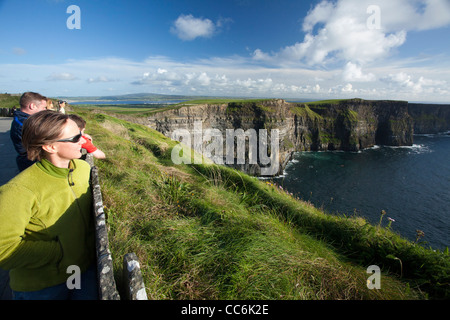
column 142, row 111
column 219, row 101
column 331, row 101
column 146, row 110
column 304, row 111
column 9, row 101
column 137, row 110
column 210, row 232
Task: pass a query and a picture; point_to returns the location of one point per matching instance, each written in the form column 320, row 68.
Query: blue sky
column 372, row 49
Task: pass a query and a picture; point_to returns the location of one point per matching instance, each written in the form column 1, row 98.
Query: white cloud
column 320, row 14
column 353, row 39
column 400, row 78
column 347, row 88
column 187, row 27
column 61, row 76
column 203, row 79
column 259, row 55
column 220, row 79
column 414, row 15
column 340, row 90
column 407, row 83
column 100, row 79
column 353, row 72
column 340, row 31
column 233, row 76
column 161, row 77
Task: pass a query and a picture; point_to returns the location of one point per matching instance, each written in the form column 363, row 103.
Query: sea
column 410, row 183
column 126, row 102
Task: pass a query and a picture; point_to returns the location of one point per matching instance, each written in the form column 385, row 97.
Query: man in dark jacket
column 30, row 103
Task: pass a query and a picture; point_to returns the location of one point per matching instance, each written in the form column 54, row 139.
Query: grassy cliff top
column 9, row 100
column 139, row 110
column 234, row 105
column 209, row 232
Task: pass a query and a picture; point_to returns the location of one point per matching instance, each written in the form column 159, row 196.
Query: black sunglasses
column 74, row 139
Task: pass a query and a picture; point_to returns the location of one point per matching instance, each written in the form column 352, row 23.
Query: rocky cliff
column 348, row 125
column 430, row 118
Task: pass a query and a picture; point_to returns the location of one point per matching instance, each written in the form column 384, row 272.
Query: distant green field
column 142, row 110
column 9, row 101
column 325, row 101
column 126, row 109
column 219, row 101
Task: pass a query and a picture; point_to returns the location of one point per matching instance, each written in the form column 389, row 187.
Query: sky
column 290, row 49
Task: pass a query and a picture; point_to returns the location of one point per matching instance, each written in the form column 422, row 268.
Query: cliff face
column 348, row 125
column 356, row 124
column 430, row 118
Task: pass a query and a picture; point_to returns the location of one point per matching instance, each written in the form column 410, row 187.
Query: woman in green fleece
column 45, row 213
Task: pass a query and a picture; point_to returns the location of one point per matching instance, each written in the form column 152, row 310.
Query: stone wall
column 133, row 285
column 6, row 112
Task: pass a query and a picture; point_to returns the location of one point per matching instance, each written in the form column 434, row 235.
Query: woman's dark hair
column 81, row 123
column 41, row 128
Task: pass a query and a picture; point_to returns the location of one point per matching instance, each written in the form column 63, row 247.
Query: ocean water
column 412, row 184
column 127, row 102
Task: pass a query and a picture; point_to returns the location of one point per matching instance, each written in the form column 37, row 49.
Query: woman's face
column 69, row 150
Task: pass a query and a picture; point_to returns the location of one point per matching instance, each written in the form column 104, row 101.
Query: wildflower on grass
column 419, row 234
column 381, row 218
column 390, row 222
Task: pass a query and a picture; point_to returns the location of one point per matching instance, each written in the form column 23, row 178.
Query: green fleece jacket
column 46, row 224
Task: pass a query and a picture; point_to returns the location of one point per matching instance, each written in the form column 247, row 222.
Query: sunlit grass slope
column 9, row 101
column 210, row 232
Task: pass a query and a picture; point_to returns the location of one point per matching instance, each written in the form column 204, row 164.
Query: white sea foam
column 429, row 135
column 433, row 135
column 415, row 148
column 285, row 174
